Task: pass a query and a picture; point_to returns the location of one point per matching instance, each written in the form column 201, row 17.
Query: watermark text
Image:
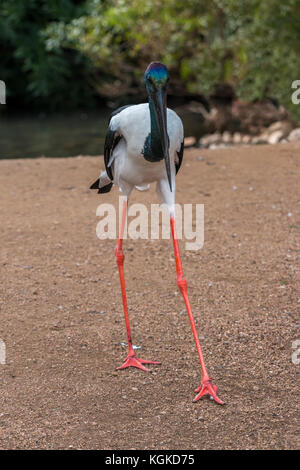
column 2, row 92
column 296, row 95
column 296, row 353
column 2, row 352
column 142, row 223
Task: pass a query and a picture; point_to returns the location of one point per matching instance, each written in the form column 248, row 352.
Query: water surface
column 53, row 135
column 58, row 135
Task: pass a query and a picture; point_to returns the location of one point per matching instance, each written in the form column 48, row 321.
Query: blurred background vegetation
column 84, row 56
column 59, row 54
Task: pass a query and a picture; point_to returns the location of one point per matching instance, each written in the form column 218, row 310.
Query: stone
column 218, row 146
column 237, row 138
column 284, row 126
column 294, row 135
column 209, row 139
column 262, row 138
column 275, row 137
column 226, row 137
column 246, row 139
column 189, row 141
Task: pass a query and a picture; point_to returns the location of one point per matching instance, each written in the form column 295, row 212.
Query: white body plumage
column 130, row 168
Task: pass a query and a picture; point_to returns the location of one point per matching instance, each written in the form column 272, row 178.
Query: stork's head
column 156, row 79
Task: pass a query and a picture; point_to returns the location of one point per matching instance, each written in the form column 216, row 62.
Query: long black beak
column 161, row 115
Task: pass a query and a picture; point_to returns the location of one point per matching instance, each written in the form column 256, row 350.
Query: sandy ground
column 62, row 318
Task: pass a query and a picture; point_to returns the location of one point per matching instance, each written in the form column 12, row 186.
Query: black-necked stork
column 144, row 144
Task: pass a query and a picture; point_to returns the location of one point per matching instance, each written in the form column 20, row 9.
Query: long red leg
column 131, row 359
column 206, row 386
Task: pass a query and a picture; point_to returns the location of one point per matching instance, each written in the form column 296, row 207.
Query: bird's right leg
column 131, row 359
column 206, row 387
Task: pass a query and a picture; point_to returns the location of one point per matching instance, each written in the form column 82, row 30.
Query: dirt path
column 59, row 388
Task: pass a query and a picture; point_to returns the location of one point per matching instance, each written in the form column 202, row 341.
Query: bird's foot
column 133, row 361
column 207, row 388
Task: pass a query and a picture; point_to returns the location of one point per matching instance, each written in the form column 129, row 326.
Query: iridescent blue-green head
column 156, row 77
column 156, row 80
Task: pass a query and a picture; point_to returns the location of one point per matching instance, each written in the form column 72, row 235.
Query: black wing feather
column 180, row 157
column 111, row 141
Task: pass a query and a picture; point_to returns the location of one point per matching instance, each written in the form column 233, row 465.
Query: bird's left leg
column 206, row 387
column 131, row 359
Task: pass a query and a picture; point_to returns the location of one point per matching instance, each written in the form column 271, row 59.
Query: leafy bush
column 34, row 75
column 252, row 45
column 61, row 52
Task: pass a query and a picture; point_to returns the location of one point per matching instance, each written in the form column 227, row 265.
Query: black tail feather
column 105, row 189
column 95, row 185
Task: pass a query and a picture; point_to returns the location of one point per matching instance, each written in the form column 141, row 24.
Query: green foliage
column 252, row 45
column 35, row 76
column 106, row 45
